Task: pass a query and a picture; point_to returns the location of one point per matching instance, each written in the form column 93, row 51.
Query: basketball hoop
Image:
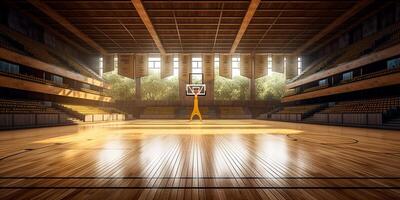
column 196, row 85
column 193, row 89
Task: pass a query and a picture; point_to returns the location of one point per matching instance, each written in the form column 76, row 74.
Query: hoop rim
column 202, row 89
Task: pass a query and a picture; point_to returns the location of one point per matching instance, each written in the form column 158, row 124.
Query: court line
column 204, row 177
column 29, row 150
column 211, row 187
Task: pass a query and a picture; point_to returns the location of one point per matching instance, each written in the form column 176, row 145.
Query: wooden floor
column 213, row 159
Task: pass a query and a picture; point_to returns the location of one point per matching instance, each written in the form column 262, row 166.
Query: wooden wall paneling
column 208, row 66
column 291, row 66
column 141, row 65
column 225, row 65
column 277, row 63
column 245, row 65
column 108, row 63
column 126, row 65
column 185, row 67
column 261, row 65
column 208, row 71
column 167, row 65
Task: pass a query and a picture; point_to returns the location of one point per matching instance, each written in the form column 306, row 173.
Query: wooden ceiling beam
column 198, row 17
column 202, row 2
column 245, row 23
column 199, row 24
column 237, row 1
column 207, row 33
column 66, row 24
column 201, row 29
column 335, row 24
column 218, row 26
column 147, row 22
column 201, row 10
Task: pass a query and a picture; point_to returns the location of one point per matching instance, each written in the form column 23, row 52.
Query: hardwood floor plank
column 213, row 159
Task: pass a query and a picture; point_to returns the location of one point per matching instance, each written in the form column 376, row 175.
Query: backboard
column 200, row 89
column 196, row 85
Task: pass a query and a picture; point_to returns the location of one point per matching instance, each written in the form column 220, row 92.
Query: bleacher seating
column 365, row 106
column 18, row 113
column 369, row 112
column 295, row 113
column 93, row 113
column 298, row 109
column 91, row 91
column 17, row 106
column 89, row 110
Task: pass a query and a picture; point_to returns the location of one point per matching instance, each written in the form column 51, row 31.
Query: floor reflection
column 142, row 155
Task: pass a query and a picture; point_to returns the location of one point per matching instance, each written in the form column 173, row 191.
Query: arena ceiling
column 192, row 26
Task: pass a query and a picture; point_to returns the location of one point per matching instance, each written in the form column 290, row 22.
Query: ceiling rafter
column 107, row 37
column 177, row 29
column 269, row 28
column 190, row 25
column 219, row 24
column 147, row 22
column 127, row 30
column 245, row 23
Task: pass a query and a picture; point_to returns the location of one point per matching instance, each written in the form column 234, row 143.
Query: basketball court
column 178, row 159
column 200, row 99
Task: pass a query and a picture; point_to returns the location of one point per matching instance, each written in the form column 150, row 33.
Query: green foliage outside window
column 235, row 89
column 121, row 88
column 155, row 89
column 270, row 87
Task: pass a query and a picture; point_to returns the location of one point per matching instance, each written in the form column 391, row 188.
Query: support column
column 185, row 67
column 210, row 92
column 252, row 80
column 138, row 91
